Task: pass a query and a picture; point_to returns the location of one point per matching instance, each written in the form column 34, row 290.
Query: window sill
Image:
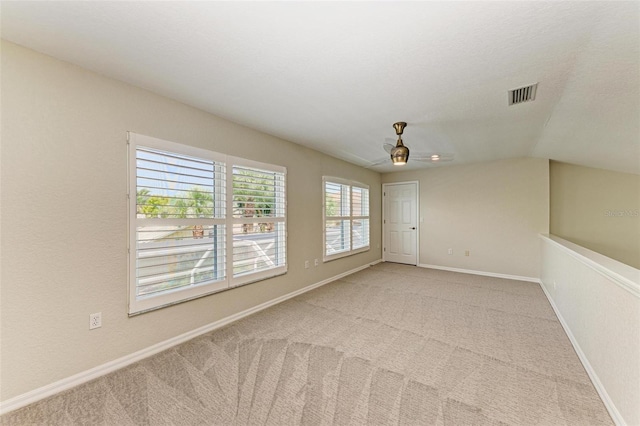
column 329, row 258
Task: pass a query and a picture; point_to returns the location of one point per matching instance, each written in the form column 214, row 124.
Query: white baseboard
column 611, row 408
column 486, row 274
column 93, row 373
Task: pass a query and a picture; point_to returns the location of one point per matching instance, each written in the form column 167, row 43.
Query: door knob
column 413, row 227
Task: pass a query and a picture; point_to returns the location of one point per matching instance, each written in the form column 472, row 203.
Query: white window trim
column 184, row 294
column 351, row 251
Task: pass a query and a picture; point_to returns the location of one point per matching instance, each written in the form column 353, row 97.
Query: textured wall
column 597, row 209
column 64, row 217
column 495, row 210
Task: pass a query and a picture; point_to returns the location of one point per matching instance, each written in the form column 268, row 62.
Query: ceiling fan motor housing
column 399, row 126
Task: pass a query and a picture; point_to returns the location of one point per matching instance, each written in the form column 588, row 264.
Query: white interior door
column 400, row 222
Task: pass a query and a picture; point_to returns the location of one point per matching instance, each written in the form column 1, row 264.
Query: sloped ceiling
column 335, row 76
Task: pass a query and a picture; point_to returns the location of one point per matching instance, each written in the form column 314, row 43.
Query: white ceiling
column 335, row 76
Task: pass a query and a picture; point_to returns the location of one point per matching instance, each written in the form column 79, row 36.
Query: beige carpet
column 392, row 344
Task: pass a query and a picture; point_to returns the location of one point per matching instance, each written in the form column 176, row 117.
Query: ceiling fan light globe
column 399, row 155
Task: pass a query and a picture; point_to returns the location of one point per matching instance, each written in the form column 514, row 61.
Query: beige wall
column 64, row 217
column 597, row 209
column 495, row 210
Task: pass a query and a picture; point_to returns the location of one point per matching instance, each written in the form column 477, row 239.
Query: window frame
column 351, row 217
column 226, row 221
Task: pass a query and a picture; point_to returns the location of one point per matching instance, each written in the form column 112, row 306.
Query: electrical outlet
column 317, row 262
column 95, row 320
column 466, row 252
column 450, row 251
column 306, row 264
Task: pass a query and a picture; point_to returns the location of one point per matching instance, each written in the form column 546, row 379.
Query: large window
column 200, row 222
column 346, row 217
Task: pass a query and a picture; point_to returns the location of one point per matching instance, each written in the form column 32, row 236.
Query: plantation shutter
column 259, row 221
column 337, row 217
column 178, row 223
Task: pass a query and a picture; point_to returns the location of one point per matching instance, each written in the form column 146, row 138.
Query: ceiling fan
column 399, row 153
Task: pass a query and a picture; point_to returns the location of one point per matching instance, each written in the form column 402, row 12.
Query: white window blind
column 259, row 235
column 346, row 217
column 183, row 244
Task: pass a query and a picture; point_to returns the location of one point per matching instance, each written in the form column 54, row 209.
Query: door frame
column 384, row 223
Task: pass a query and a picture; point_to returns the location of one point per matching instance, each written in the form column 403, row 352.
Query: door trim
column 384, row 224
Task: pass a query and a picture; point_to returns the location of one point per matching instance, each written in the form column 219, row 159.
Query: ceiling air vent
column 523, row 94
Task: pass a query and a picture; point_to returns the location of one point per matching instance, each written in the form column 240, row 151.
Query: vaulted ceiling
column 335, row 76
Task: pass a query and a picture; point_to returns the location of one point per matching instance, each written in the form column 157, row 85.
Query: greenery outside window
column 346, row 217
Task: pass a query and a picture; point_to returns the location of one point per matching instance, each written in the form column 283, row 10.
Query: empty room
column 319, row 213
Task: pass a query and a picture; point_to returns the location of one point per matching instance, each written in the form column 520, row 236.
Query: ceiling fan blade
column 429, row 159
column 379, row 162
column 388, row 147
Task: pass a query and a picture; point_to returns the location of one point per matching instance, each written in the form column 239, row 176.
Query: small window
column 346, row 218
column 183, row 243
